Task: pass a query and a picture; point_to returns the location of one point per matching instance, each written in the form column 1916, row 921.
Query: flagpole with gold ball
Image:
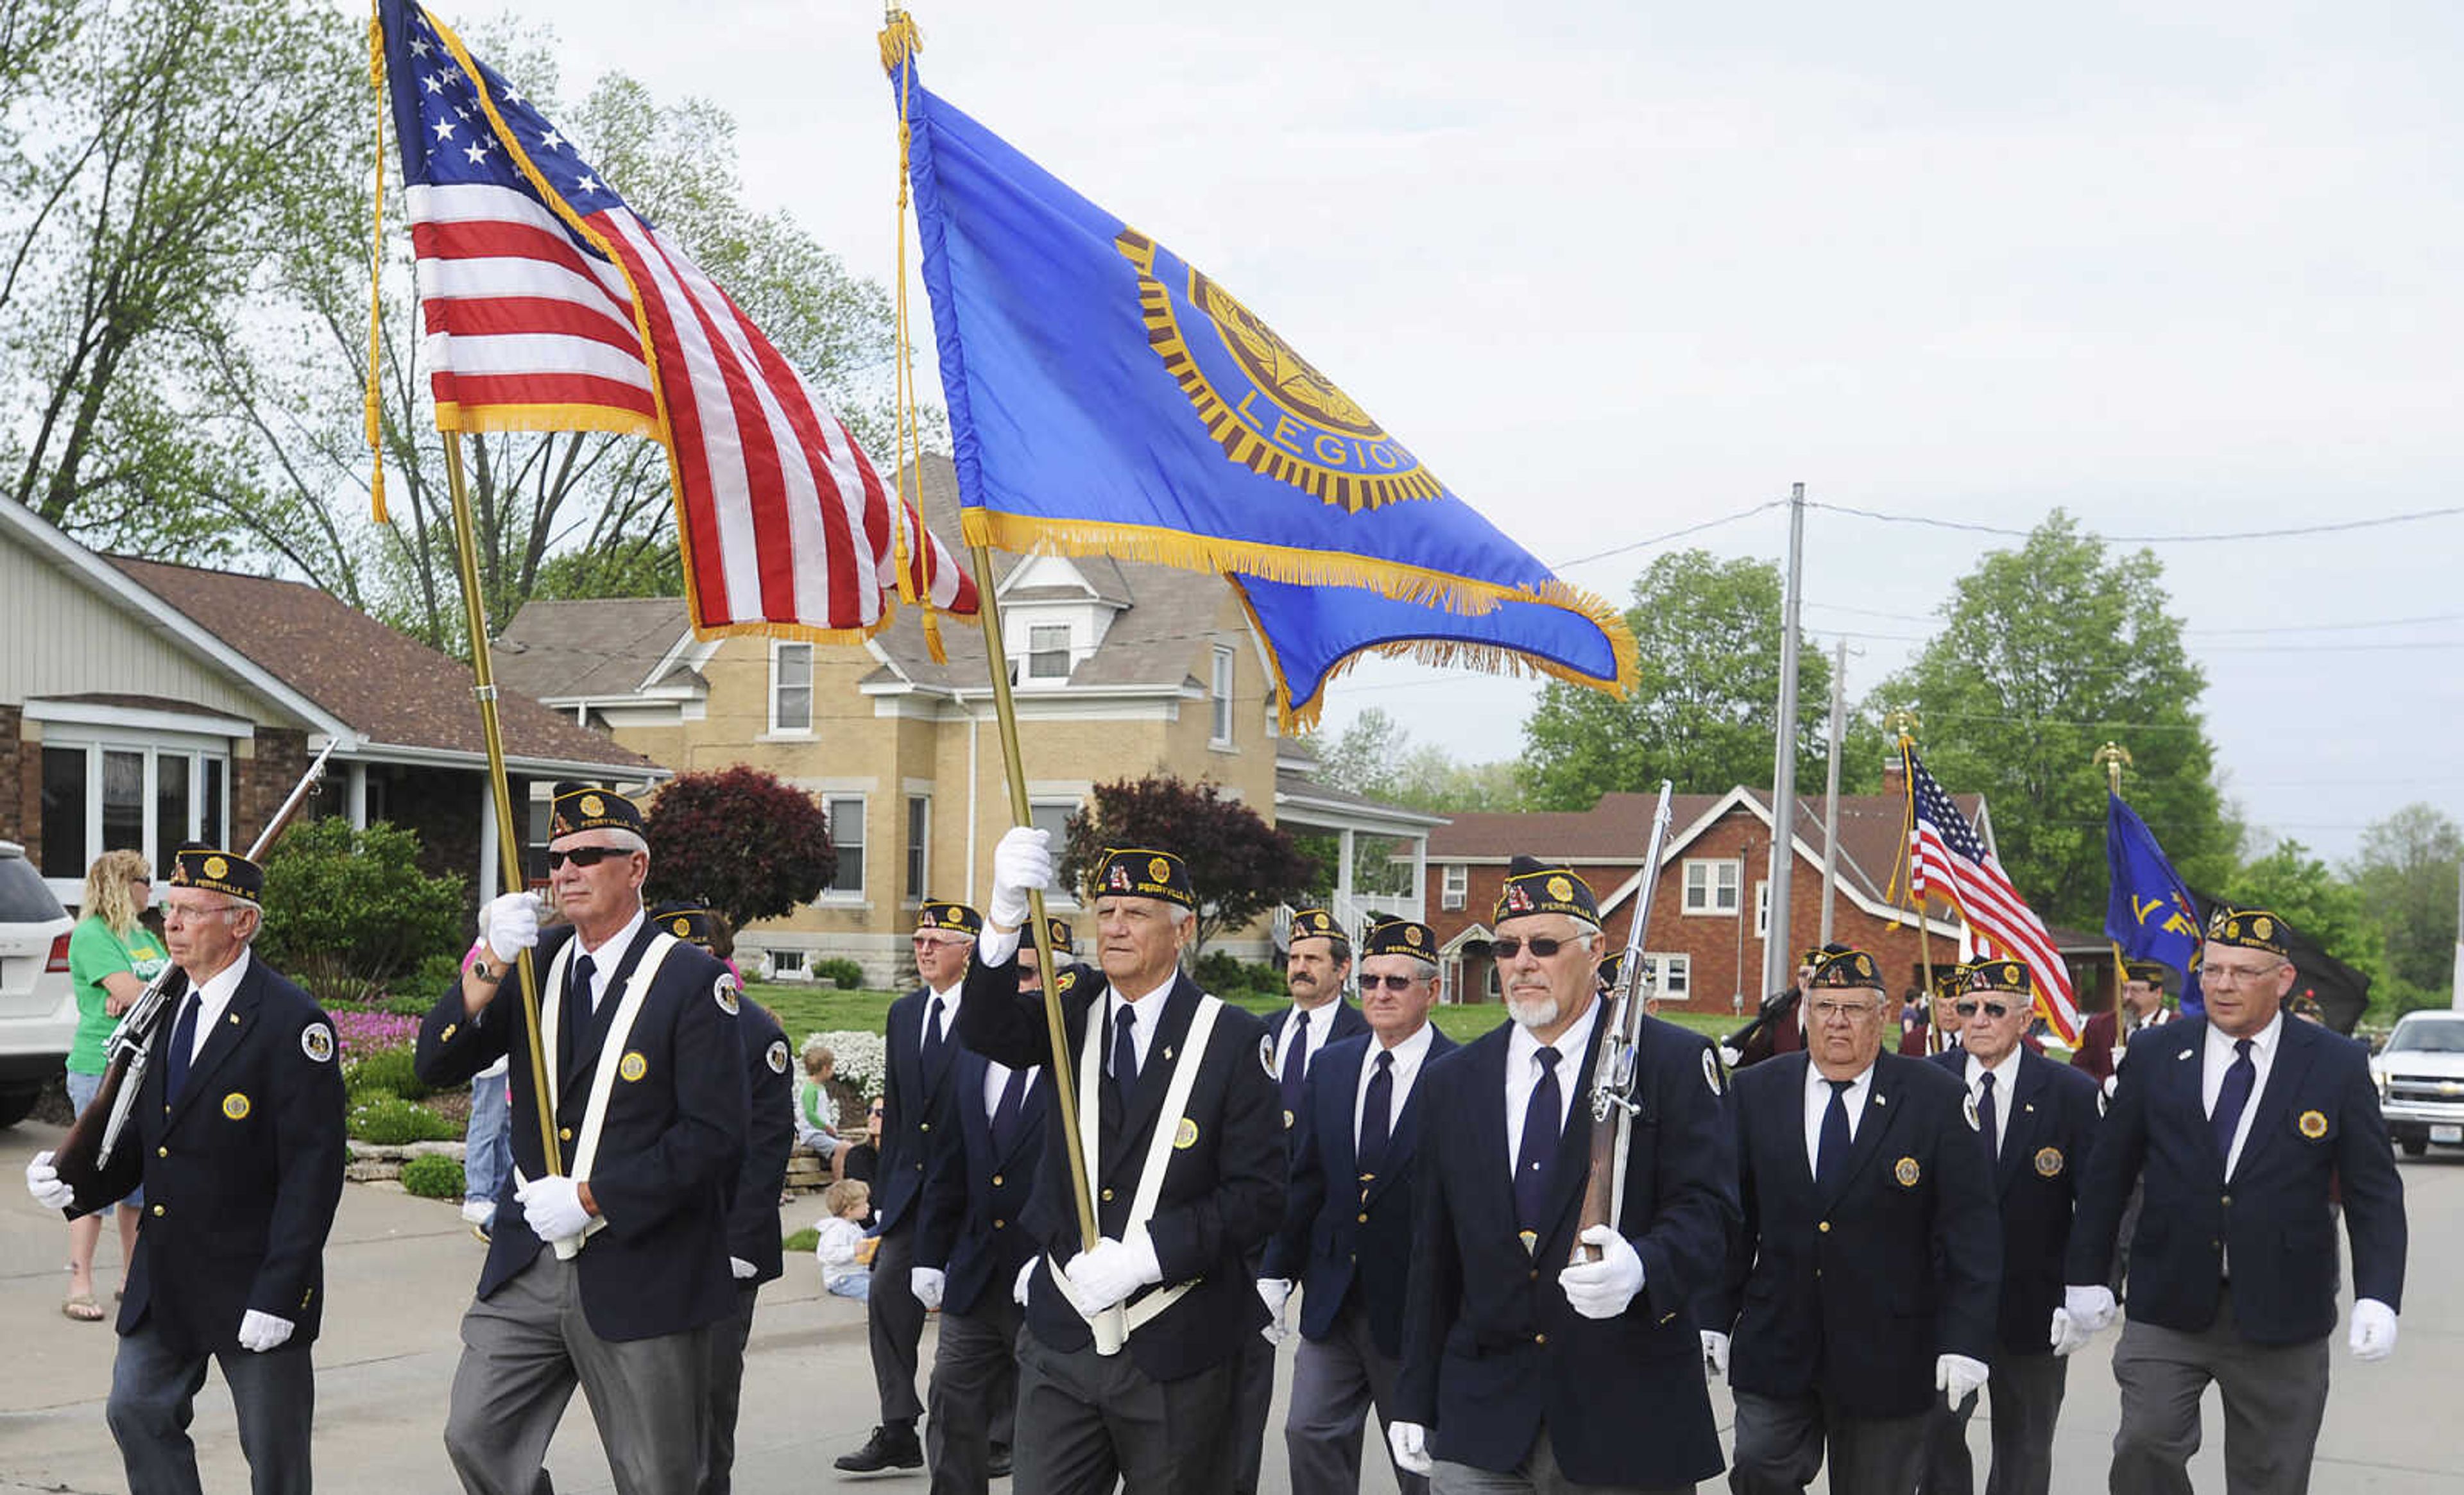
column 2113, row 758
column 1903, row 724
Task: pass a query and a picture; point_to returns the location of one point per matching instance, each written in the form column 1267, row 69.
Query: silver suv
column 2420, row 1075
column 38, row 1016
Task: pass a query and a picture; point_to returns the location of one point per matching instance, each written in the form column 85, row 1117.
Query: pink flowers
column 362, row 1033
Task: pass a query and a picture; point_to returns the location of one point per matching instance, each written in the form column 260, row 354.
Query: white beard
column 1536, row 1012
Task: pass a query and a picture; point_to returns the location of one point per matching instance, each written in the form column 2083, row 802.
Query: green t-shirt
column 94, row 951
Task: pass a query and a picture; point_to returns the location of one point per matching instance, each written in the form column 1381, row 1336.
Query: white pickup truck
column 2420, row 1076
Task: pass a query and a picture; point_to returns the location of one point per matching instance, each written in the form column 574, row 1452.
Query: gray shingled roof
column 604, row 646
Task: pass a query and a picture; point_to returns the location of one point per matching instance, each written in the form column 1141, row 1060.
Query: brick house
column 1710, row 912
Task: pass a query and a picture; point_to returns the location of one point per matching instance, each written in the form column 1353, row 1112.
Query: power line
column 2291, row 532
column 1662, row 539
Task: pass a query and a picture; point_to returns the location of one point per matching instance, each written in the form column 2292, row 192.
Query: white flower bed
column 863, row 1060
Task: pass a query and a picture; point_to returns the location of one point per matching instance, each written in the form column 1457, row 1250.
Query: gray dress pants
column 154, row 1398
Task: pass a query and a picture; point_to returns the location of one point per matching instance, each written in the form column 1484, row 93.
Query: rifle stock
column 1615, row 1073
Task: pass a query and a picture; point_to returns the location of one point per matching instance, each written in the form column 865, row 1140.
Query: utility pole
column 1831, row 788
column 1779, row 937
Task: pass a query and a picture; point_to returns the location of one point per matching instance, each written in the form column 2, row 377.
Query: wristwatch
column 485, row 972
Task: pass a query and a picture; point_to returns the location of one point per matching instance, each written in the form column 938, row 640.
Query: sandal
column 82, row 1309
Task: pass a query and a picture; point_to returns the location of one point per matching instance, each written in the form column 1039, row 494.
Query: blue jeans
column 858, row 1285
column 81, row 1088
column 488, row 1144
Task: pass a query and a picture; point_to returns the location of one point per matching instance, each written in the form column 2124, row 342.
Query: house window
column 847, row 834
column 791, row 686
column 788, row 964
column 1456, row 885
column 1053, row 818
column 110, row 796
column 920, row 831
column 1762, row 908
column 1221, row 693
column 1711, row 885
column 1047, row 652
column 1675, row 973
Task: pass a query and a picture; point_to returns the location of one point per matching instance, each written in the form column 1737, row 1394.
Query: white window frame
column 781, row 650
column 915, row 850
column 1706, row 878
column 1675, row 969
column 830, row 803
column 192, row 753
column 1062, row 895
column 1454, row 885
column 1048, row 651
column 1762, row 907
column 1219, row 688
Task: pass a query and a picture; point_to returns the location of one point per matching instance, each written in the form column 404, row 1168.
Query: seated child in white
column 844, row 1250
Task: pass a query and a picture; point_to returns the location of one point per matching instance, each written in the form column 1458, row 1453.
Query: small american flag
column 548, row 304
column 1949, row 861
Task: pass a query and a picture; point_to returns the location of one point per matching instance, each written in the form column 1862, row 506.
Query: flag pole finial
column 2113, row 758
column 1902, row 723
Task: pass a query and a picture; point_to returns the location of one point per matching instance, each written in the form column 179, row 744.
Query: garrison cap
column 2149, row 971
column 2250, row 928
column 1394, row 936
column 226, row 872
column 1064, row 942
column 1844, row 966
column 687, row 921
column 1534, row 887
column 1318, row 924
column 1611, row 966
column 2012, row 978
column 950, row 918
column 578, row 807
column 1951, row 980
column 1141, row 873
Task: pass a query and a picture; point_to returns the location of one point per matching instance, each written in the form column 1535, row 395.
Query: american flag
column 548, row 304
column 1948, row 860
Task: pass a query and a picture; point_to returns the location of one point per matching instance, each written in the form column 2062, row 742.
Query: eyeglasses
column 2234, row 976
column 1505, row 947
column 1844, row 1011
column 184, row 912
column 1404, row 984
column 583, row 856
column 922, row 943
column 1992, row 1009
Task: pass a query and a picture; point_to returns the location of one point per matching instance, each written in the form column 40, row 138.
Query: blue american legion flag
column 1948, row 860
column 549, row 305
column 2149, row 913
column 1106, row 397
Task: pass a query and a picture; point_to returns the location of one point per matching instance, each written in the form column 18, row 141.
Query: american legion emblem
column 2049, row 1161
column 2313, row 1123
column 236, row 1106
column 1905, row 1171
column 1185, row 1135
column 632, row 1066
column 1270, row 409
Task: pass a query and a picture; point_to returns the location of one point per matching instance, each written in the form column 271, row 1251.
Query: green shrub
column 840, row 972
column 391, row 1121
column 387, row 1070
column 1225, row 974
column 347, row 911
column 803, row 1241
column 434, row 1175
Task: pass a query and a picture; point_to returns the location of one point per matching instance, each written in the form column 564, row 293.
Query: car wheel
column 15, row 1105
column 2414, row 1147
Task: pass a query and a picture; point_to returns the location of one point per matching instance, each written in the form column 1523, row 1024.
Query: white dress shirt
column 2218, row 1058
column 1817, row 1101
column 1522, row 1074
column 1146, row 1011
column 2006, row 1079
column 1320, row 1022
column 212, row 996
column 997, row 1079
column 1406, row 1067
column 606, row 956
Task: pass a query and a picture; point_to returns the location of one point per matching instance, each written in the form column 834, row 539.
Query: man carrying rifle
column 1779, row 1026
column 237, row 1133
column 1525, row 1366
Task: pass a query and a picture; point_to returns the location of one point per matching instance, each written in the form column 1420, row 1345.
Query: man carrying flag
column 2149, row 913
column 1949, row 861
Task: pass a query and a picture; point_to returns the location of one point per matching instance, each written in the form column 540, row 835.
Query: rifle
column 1614, row 1072
column 1774, row 1007
column 83, row 1154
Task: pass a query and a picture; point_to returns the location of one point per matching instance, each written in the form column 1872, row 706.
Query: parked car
column 38, row 1014
column 2420, row 1075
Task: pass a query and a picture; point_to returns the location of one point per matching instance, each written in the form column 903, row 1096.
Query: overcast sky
column 1616, row 269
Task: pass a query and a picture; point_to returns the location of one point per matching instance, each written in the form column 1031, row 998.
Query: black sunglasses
column 583, row 856
column 1392, row 983
column 1505, row 947
column 1992, row 1009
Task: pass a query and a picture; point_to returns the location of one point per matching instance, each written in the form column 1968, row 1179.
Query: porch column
column 486, row 839
column 1421, row 879
column 355, row 789
column 1343, row 887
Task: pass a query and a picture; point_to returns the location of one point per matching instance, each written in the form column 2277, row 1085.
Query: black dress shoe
column 996, row 1466
column 889, row 1448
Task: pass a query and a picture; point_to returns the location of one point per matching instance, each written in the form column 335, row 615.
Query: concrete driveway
column 400, row 1271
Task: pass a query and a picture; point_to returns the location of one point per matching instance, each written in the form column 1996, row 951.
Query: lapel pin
column 1881, row 1100
column 1167, row 1053
column 2029, row 1107
column 2184, row 1054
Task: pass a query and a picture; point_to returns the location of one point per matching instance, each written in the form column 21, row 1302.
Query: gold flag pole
column 474, row 616
column 1905, row 722
column 2113, row 758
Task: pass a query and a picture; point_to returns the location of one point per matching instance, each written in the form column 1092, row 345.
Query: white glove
column 1026, row 1284
column 1021, row 862
column 2374, row 1335
column 43, row 1182
column 742, row 1269
column 1957, row 1376
column 926, row 1283
column 1731, row 1057
column 510, row 924
column 552, row 1207
column 1275, row 1292
column 1098, row 1278
column 1409, row 1442
column 262, row 1331
column 2091, row 1309
column 1715, row 1351
column 2067, row 1336
column 1602, row 1288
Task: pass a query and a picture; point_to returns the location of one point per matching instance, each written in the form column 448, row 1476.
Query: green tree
column 1706, row 693
column 741, row 841
column 348, row 911
column 1240, row 865
column 2046, row 652
column 2405, row 872
column 2308, row 894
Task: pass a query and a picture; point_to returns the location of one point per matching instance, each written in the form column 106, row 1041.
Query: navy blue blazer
column 2053, row 1115
column 1223, row 1193
column 914, row 1130
column 670, row 1150
column 2318, row 1127
column 1333, row 1215
column 973, row 1219
column 1851, row 1293
column 1491, row 1348
column 242, row 1172
column 769, row 1136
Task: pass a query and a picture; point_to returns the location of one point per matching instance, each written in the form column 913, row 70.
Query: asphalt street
column 400, row 1271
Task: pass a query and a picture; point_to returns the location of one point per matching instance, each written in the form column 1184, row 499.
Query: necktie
column 1125, row 1053
column 1831, row 1151
column 1296, row 1066
column 1542, row 1120
column 932, row 1039
column 578, row 1003
column 1985, row 1116
column 1006, row 1110
column 183, row 1038
column 1377, row 1116
column 2241, row 1077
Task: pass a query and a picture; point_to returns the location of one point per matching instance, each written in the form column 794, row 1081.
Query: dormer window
column 1048, row 651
